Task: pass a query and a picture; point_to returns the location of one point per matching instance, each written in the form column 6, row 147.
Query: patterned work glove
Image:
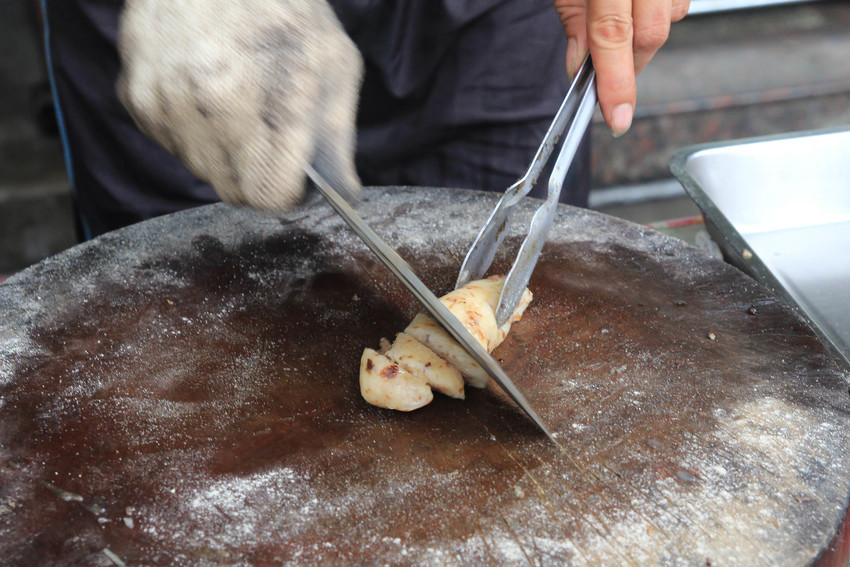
column 244, row 93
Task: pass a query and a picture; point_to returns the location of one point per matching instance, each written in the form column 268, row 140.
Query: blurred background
column 731, row 69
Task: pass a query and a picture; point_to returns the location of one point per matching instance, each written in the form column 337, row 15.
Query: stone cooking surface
column 185, row 391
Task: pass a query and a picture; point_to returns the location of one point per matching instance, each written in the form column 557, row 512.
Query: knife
column 420, row 291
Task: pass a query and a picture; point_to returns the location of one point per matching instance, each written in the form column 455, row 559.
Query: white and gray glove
column 244, row 92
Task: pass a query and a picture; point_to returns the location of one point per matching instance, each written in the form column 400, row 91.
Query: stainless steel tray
column 779, row 208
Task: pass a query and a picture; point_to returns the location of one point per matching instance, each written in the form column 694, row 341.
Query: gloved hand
column 622, row 36
column 244, row 93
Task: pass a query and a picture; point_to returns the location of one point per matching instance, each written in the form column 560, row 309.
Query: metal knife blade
column 420, row 291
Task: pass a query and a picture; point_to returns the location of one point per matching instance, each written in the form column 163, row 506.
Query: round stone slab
column 185, row 391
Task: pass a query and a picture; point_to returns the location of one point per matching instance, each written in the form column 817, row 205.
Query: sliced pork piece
column 419, row 360
column 476, row 297
column 384, row 384
column 431, row 334
column 426, row 355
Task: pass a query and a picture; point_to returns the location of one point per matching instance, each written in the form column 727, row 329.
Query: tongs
column 576, row 110
column 574, row 116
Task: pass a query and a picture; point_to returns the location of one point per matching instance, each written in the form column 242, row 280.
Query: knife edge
column 402, row 270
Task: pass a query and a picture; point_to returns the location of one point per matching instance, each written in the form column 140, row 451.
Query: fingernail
column 621, row 119
column 572, row 51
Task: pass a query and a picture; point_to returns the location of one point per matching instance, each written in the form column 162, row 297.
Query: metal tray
column 779, row 208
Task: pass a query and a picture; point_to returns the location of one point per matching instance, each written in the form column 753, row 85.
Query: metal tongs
column 574, row 116
column 577, row 110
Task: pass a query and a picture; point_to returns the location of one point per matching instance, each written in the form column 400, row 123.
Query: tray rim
column 735, row 248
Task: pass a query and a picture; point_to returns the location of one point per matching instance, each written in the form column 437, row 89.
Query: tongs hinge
column 574, row 115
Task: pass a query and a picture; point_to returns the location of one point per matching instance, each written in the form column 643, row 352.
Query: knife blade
column 402, row 270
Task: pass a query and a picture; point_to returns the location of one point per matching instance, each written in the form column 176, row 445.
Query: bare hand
column 622, row 36
column 244, row 93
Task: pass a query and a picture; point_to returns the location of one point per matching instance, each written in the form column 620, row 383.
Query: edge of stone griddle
column 74, row 269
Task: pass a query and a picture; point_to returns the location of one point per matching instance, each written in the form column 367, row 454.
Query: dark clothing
column 456, row 94
column 118, row 175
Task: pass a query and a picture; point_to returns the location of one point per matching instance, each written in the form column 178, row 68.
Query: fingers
column 622, row 36
column 573, row 16
column 610, row 36
column 652, row 26
column 680, row 9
